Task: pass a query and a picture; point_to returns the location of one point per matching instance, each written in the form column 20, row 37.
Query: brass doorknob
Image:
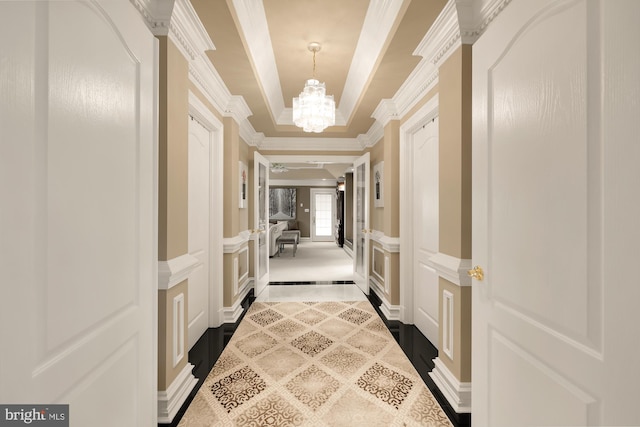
column 476, row 273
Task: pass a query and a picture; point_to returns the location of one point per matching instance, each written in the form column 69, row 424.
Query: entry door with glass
column 323, row 213
column 261, row 221
column 361, row 222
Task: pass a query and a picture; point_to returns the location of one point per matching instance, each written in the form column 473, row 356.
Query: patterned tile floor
column 250, row 386
column 415, row 346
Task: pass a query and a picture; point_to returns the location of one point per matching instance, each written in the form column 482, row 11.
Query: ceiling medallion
column 313, row 110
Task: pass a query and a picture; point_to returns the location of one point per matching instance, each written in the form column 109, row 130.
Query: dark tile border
column 421, row 353
column 327, row 282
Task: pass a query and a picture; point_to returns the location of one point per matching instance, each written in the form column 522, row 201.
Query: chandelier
column 313, row 111
column 278, row 168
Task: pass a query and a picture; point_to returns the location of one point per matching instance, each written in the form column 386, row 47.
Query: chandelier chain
column 313, row 74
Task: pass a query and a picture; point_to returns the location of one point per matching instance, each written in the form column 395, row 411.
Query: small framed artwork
column 378, row 187
column 243, row 185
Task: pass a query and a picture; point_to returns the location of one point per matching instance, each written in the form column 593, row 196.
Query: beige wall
column 173, row 152
column 455, row 154
column 173, row 110
column 376, row 215
column 231, row 178
column 166, row 371
column 243, row 214
column 391, row 176
column 455, row 197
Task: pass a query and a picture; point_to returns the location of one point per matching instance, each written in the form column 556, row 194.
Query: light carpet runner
column 313, row 364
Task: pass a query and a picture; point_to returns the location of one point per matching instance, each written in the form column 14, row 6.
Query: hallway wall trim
column 232, row 245
column 170, row 401
column 390, row 311
column 389, row 244
column 174, row 271
column 458, row 394
column 233, row 313
column 382, row 287
column 451, row 268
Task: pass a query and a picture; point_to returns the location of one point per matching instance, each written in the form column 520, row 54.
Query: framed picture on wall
column 378, row 187
column 282, row 204
column 243, row 185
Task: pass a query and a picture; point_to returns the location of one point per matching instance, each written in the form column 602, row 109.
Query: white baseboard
column 233, row 313
column 391, row 312
column 458, row 394
column 348, row 250
column 171, row 400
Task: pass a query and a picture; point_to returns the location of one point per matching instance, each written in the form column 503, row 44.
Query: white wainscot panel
column 516, row 379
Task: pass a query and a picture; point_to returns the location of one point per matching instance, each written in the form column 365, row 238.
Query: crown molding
column 423, row 78
column 310, row 144
column 250, row 136
column 156, row 14
column 488, row 13
column 205, row 77
column 443, row 37
column 303, row 182
column 187, row 32
column 373, row 135
column 237, row 108
column 385, row 112
column 460, row 22
column 191, row 38
column 253, row 24
column 379, row 20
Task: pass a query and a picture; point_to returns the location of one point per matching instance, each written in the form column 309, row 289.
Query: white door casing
column 408, row 187
column 198, row 230
column 555, row 215
column 261, row 220
column 79, row 217
column 425, row 201
column 323, row 213
column 201, row 113
column 361, row 188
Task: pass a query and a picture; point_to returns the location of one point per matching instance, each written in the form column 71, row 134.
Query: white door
column 261, row 220
column 78, row 154
column 323, row 212
column 199, row 233
column 424, row 150
column 555, row 215
column 361, row 188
